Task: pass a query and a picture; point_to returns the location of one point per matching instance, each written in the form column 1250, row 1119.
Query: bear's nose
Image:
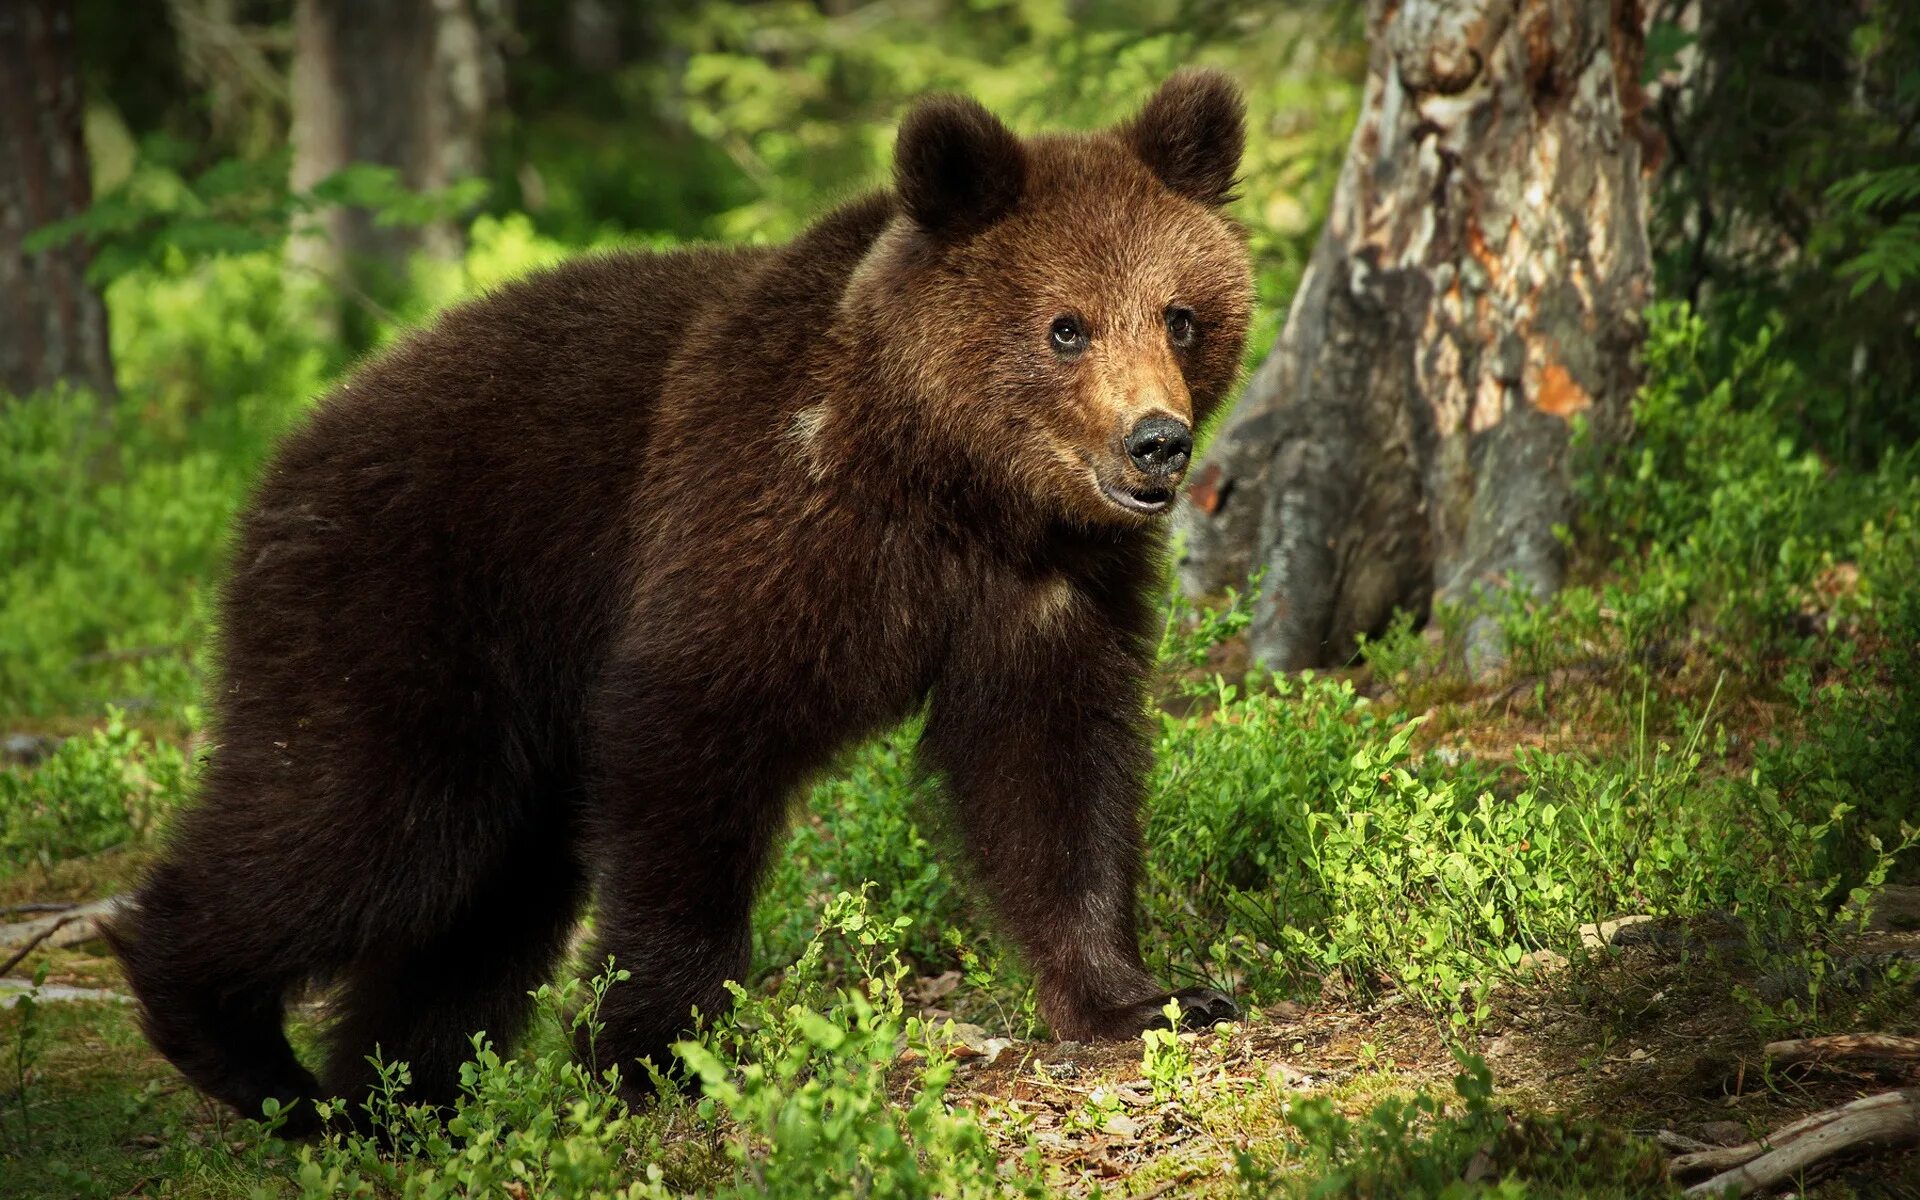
column 1160, row 445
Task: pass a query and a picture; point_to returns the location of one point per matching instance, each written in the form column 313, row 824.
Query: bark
column 53, row 327
column 400, row 83
column 1479, row 281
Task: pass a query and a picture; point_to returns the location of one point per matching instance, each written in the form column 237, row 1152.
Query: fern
column 1871, row 191
column 1890, row 256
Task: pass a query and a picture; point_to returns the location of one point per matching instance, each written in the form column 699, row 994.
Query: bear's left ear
column 1191, row 134
column 956, row 167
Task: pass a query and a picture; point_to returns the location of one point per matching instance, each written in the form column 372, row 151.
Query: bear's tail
column 210, row 1003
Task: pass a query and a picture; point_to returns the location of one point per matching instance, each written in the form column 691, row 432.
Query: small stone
column 28, row 749
column 1542, row 962
column 1121, row 1125
column 1480, row 1166
column 969, row 1040
column 1891, row 908
column 1609, row 933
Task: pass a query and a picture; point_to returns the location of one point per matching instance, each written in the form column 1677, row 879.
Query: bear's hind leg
column 212, row 976
column 222, row 1028
column 421, row 1003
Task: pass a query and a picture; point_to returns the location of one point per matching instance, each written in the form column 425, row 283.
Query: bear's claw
column 1201, row 1008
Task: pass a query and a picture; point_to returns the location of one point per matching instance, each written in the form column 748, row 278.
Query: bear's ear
column 957, row 168
column 1191, row 134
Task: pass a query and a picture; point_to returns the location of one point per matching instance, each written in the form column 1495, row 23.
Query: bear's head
column 1064, row 310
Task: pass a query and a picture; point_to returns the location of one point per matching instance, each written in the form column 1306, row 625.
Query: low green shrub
column 96, row 791
column 803, row 1091
column 813, row 1086
column 869, row 822
column 1296, row 842
column 1420, row 1148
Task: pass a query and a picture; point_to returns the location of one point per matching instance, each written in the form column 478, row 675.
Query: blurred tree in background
column 1792, row 196
column 404, row 85
column 53, row 327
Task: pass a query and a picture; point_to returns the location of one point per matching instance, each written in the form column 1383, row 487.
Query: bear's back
column 448, row 521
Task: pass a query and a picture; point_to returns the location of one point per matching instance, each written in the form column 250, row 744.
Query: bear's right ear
column 956, row 167
column 1191, row 134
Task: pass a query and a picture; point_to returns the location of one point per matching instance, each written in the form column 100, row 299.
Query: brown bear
column 566, row 595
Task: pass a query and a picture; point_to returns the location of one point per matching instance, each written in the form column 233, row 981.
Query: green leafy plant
column 1165, row 1058
column 28, row 1037
column 99, row 790
column 539, row 1124
column 802, row 1075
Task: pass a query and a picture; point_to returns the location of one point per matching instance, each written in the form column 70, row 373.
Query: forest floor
column 1639, row 1034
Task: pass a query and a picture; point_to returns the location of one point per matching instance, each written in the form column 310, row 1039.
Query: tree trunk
column 399, row 83
column 53, row 327
column 1479, row 281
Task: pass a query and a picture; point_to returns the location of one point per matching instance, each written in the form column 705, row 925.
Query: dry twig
column 70, row 928
column 1843, row 1045
column 43, row 935
column 39, row 906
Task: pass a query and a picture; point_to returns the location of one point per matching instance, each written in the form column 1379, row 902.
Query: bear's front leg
column 1042, row 736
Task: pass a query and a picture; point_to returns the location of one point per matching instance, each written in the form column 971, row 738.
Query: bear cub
column 565, row 596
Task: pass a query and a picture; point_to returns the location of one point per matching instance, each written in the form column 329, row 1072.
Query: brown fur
column 569, row 593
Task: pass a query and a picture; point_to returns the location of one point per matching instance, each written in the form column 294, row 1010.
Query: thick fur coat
column 565, row 596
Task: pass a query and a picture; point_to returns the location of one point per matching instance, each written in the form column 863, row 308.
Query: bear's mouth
column 1146, row 501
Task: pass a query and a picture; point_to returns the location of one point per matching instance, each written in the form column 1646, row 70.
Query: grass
column 1715, row 726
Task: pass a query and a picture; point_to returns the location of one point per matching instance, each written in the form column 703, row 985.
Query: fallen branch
column 27, row 949
column 1680, row 1143
column 70, row 928
column 39, row 906
column 1843, row 1045
column 1886, row 1121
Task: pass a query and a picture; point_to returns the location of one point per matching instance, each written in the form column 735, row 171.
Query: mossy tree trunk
column 53, row 326
column 1478, row 284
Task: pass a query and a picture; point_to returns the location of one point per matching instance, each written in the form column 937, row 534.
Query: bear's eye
column 1067, row 336
column 1182, row 326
